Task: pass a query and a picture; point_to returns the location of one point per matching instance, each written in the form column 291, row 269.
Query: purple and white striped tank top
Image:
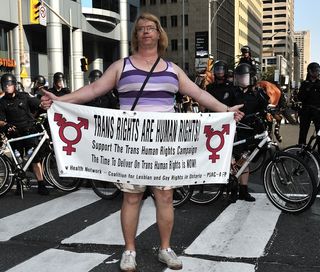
column 158, row 94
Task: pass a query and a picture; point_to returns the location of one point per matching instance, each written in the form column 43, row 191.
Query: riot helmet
column 39, row 80
column 8, row 80
column 230, row 75
column 245, row 49
column 59, row 80
column 94, row 75
column 220, row 69
column 243, row 75
column 313, row 70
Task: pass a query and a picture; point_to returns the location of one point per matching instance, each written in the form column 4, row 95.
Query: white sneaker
column 128, row 261
column 168, row 257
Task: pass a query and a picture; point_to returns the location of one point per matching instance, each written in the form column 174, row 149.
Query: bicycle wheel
column 206, row 193
column 6, row 180
column 105, row 189
column 289, row 183
column 181, row 195
column 311, row 158
column 67, row 184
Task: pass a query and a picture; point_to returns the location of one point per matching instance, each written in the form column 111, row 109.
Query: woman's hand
column 238, row 115
column 47, row 99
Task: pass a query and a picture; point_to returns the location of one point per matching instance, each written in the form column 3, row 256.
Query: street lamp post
column 210, row 21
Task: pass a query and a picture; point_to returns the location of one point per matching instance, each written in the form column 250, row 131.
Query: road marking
column 54, row 260
column 195, row 265
column 108, row 231
column 36, row 216
column 241, row 230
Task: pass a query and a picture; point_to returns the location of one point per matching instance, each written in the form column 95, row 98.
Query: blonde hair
column 163, row 39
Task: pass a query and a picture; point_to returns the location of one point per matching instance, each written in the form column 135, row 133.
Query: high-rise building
column 302, row 38
column 278, row 25
column 248, row 26
column 187, row 23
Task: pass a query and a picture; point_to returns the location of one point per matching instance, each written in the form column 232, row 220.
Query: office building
column 302, row 39
column 278, row 25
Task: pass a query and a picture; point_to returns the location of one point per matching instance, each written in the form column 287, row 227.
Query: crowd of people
column 235, row 91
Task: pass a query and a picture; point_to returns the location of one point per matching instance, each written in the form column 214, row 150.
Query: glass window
column 153, row 2
column 163, row 1
column 174, row 45
column 163, row 21
column 112, row 5
column 174, row 21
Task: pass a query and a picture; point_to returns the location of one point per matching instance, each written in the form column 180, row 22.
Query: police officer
column 59, row 85
column 254, row 100
column 109, row 100
column 247, row 58
column 39, row 83
column 309, row 95
column 221, row 88
column 17, row 120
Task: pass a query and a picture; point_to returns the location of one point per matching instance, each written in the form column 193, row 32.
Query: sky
column 306, row 17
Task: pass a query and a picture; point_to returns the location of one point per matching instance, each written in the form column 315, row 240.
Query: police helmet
column 245, row 49
column 94, row 75
column 313, row 67
column 220, row 67
column 242, row 69
column 243, row 76
column 58, row 76
column 39, row 80
column 8, row 79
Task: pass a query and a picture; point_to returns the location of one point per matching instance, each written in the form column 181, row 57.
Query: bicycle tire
column 311, row 158
column 206, row 193
column 6, row 180
column 181, row 195
column 66, row 184
column 104, row 189
column 45, row 173
column 289, row 183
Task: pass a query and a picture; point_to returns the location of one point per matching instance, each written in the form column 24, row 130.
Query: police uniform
column 109, row 100
column 309, row 95
column 17, row 111
column 61, row 92
column 254, row 100
column 224, row 92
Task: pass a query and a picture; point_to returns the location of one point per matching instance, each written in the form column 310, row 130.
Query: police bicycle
column 288, row 181
column 13, row 169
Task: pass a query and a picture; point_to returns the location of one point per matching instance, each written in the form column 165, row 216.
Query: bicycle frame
column 264, row 136
column 44, row 137
column 17, row 168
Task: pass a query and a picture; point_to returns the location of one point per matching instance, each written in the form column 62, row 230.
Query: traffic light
column 84, row 64
column 34, row 11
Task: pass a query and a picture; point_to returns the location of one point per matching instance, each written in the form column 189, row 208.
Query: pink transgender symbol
column 210, row 133
column 62, row 123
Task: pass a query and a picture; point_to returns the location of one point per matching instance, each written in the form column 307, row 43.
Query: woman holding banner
column 149, row 42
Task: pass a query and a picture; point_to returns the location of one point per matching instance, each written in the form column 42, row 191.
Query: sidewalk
column 290, row 134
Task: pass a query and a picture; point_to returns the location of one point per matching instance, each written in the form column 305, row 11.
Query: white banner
column 150, row 148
